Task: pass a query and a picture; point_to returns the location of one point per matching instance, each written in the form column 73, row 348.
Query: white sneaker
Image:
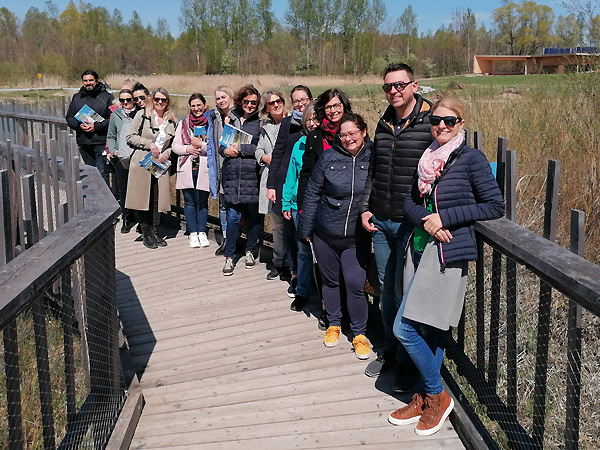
column 250, row 262
column 203, row 238
column 193, row 239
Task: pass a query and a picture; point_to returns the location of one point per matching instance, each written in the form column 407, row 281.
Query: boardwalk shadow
column 135, row 323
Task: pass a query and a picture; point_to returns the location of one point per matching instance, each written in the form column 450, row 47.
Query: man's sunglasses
column 398, row 85
column 450, row 121
column 141, row 98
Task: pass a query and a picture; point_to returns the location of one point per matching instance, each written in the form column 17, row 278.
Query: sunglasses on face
column 160, row 100
column 250, row 102
column 126, row 100
column 141, row 98
column 398, row 85
column 275, row 102
column 450, row 121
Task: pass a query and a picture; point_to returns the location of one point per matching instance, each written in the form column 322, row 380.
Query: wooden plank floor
column 225, row 364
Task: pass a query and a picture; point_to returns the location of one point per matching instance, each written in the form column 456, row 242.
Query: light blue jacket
column 290, row 187
column 211, row 154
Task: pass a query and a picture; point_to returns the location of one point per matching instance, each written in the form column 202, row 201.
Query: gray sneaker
column 250, row 262
column 228, row 267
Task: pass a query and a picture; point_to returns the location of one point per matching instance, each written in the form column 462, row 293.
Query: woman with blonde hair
column 217, row 119
column 452, row 189
column 151, row 131
column 272, row 110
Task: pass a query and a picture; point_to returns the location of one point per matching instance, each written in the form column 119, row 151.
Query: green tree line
column 316, row 37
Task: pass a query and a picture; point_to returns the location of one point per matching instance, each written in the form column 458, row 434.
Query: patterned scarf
column 434, row 159
column 329, row 130
column 187, row 131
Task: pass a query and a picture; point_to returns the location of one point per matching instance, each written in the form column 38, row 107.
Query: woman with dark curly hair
column 240, row 179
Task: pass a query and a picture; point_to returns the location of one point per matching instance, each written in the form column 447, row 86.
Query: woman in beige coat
column 152, row 130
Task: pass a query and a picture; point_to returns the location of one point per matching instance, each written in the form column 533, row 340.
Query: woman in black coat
column 240, row 179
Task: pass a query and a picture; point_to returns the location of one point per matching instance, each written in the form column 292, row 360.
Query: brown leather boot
column 436, row 410
column 410, row 413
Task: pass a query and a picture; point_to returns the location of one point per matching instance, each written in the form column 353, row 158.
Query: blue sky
column 431, row 14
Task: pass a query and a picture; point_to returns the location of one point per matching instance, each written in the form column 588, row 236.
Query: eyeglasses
column 313, row 120
column 398, row 85
column 349, row 135
column 160, row 100
column 141, row 98
column 126, row 100
column 335, row 106
column 301, row 101
column 275, row 102
column 250, row 102
column 450, row 121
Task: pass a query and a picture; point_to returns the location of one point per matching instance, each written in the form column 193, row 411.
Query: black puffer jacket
column 289, row 133
column 394, row 160
column 240, row 175
column 99, row 99
column 334, row 193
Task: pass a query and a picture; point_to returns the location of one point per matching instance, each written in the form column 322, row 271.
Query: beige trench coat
column 138, row 184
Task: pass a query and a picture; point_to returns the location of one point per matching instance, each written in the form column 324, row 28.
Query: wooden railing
column 61, row 364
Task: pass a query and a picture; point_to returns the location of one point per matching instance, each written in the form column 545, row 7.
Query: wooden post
column 574, row 331
column 46, row 183
column 545, row 303
column 39, row 186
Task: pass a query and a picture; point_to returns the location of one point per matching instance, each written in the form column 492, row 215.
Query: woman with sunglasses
column 240, row 178
column 452, row 189
column 330, row 218
column 141, row 96
column 196, row 176
column 151, row 131
column 273, row 111
column 217, row 119
column 115, row 127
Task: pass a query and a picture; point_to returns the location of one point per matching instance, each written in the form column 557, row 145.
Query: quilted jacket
column 240, row 175
column 334, row 193
column 465, row 192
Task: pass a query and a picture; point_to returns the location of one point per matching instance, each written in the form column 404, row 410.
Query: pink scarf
column 434, row 159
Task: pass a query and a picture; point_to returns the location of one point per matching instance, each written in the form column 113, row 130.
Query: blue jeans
column 389, row 245
column 195, row 207
column 425, row 345
column 234, row 215
column 305, row 263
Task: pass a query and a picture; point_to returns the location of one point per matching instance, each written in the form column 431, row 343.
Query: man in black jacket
column 401, row 136
column 91, row 135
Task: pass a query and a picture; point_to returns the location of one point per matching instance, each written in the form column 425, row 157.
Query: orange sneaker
column 332, row 336
column 362, row 349
column 410, row 413
column 436, row 410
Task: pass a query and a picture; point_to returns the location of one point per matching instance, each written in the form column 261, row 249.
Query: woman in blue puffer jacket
column 331, row 219
column 453, row 188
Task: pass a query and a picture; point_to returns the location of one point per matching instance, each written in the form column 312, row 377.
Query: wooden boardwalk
column 225, row 364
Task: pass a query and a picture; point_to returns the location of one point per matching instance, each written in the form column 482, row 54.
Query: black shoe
column 285, row 274
column 323, row 322
column 138, row 229
column 299, row 302
column 384, row 362
column 273, row 273
column 127, row 226
column 159, row 240
column 221, row 250
column 291, row 292
column 407, row 378
column 148, row 240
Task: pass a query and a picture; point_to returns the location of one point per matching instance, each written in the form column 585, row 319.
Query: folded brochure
column 153, row 166
column 233, row 135
column 87, row 115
